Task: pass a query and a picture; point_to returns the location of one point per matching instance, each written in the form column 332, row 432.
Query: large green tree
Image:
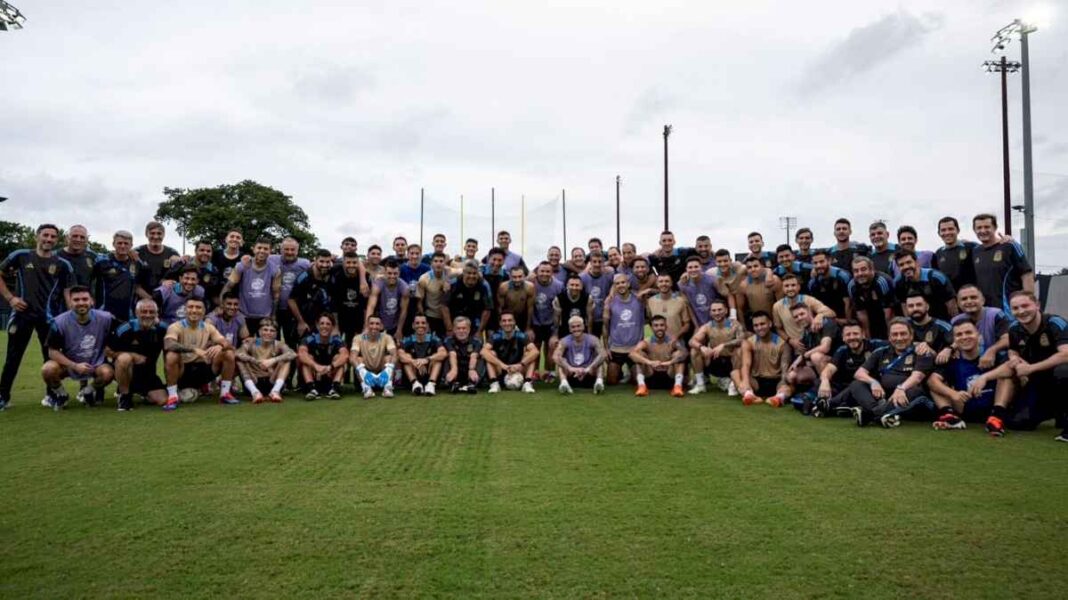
column 253, row 209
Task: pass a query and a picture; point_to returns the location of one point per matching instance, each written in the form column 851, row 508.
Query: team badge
column 909, row 360
column 997, row 256
column 1043, row 341
column 89, row 262
column 963, row 255
column 874, row 296
column 113, row 272
column 166, row 263
column 929, row 337
column 51, row 269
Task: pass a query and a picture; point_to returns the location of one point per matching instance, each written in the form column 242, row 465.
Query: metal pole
column 667, row 132
column 563, row 202
column 1029, row 189
column 493, row 215
column 422, row 212
column 618, row 245
column 461, row 216
column 523, row 224
column 1005, row 143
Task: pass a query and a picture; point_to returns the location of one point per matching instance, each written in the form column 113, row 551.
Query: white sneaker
column 368, row 393
column 429, row 389
column 417, row 389
column 565, row 388
column 724, row 383
column 84, row 395
column 732, row 390
column 495, row 387
column 598, row 387
column 528, row 388
column 387, row 392
column 46, row 402
column 698, row 388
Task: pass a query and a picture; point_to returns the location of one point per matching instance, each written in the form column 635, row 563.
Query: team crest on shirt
column 112, row 272
column 1043, row 341
column 626, row 315
column 88, row 262
column 997, row 256
column 166, row 263
column 909, row 360
column 929, row 337
column 51, row 269
column 701, row 299
column 874, row 296
column 963, row 255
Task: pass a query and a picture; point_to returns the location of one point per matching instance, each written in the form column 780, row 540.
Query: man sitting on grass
column 322, row 357
column 465, row 368
column 134, row 349
column 837, row 375
column 76, row 350
column 510, row 352
column 961, row 389
column 715, row 350
column 580, row 359
column 264, row 362
column 194, row 353
column 373, row 354
column 766, row 359
column 897, row 368
column 814, row 349
column 421, row 354
column 660, row 361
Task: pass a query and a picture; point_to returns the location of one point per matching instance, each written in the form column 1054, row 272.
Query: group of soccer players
column 876, row 331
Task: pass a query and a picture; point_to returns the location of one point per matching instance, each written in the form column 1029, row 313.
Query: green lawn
column 518, row 496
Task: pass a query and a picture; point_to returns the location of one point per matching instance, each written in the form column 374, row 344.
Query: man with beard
column 470, row 297
column 760, row 288
column 766, row 359
column 729, row 276
column 872, row 298
column 229, row 321
column 782, row 314
column 597, row 284
column 432, row 295
column 630, row 253
column 1001, row 268
column 510, row 351
column 119, row 279
column 374, row 354
column 546, row 289
column 699, row 289
column 755, row 242
column 516, row 296
column 258, row 284
column 642, row 281
column 844, row 249
column 350, row 287
column 465, row 367
column 715, row 351
column 673, row 307
column 789, row 265
column 703, row 249
column 803, row 237
column 158, row 258
column 494, row 273
column 574, row 301
column 421, row 356
column 660, row 361
column 833, row 395
column 77, row 253
column 954, row 258
column 171, row 298
column 310, row 296
column 292, row 267
column 932, row 285
column 553, row 258
column 961, row 389
column 207, row 275
column 897, row 368
column 907, row 239
column 933, row 337
column 389, row 299
column 882, row 253
column 76, row 344
column 993, row 324
column 830, row 285
column 814, row 350
column 134, row 348
column 580, row 359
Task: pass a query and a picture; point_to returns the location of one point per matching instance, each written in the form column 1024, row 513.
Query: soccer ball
column 186, row 395
column 513, row 381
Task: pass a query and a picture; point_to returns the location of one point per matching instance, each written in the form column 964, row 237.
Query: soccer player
column 766, row 359
column 1000, row 266
column 760, row 289
column 813, row 350
column 882, row 253
column 1036, row 374
column 962, row 391
column 373, row 265
column 119, row 278
column 510, row 351
column 374, row 353
column 574, row 301
column 629, row 253
column 714, row 350
column 660, row 361
column 674, row 307
column 421, row 356
column 207, row 275
column 264, row 363
column 229, row 321
column 494, row 271
column 134, row 348
column 456, row 267
column 844, row 250
column 511, row 259
column 598, row 284
column 517, row 296
column 803, row 237
column 76, row 349
column 470, row 297
column 932, row 285
column 413, row 267
column 615, row 259
column 642, row 281
column 907, row 239
column 871, row 297
column 77, row 253
column 158, row 258
column 543, row 318
column 400, row 248
column 292, row 266
column 194, row 353
column 699, row 290
column 580, row 359
column 350, row 287
column 667, row 259
column 226, row 260
column 258, row 283
column 954, row 259
column 993, row 323
column 782, row 312
column 830, row 285
column 703, row 250
column 933, row 337
column 577, row 263
column 833, row 395
column 311, row 293
column 432, row 294
column 41, row 279
column 625, row 318
column 466, row 369
column 755, row 242
column 553, row 256
column 322, row 357
column 789, row 265
column 896, row 367
column 438, row 243
column 389, row 299
column 171, row 298
column 729, row 276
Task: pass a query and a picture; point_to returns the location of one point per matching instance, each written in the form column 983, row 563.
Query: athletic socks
column 700, row 379
column 678, row 379
column 250, row 386
column 172, row 391
column 641, row 378
column 278, row 384
column 224, row 387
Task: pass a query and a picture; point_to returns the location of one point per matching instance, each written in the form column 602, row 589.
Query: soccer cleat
column 454, row 388
column 313, row 394
column 819, row 408
column 859, row 416
column 494, row 387
column 749, row 398
column 890, row 421
column 528, row 387
column 845, row 412
column 257, row 397
column 1063, row 437
column 57, row 401
column 994, row 426
column 723, row 383
column 171, row 404
column 949, row 421
column 429, row 389
column 228, row 398
column 549, row 377
column 387, row 392
column 368, row 393
column 87, row 396
column 698, row 388
column 536, row 376
column 125, row 402
column 334, row 393
column 775, row 401
column 417, row 389
column 470, row 388
column 598, row 387
column 565, row 388
column 3, row 404
column 732, row 390
column 275, row 397
column 642, row 391
column 677, row 392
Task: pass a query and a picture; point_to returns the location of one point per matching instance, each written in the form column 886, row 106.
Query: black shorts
column 621, row 358
column 584, row 382
column 720, row 367
column 542, row 334
column 144, row 380
column 765, row 386
column 659, row 381
column 195, row 375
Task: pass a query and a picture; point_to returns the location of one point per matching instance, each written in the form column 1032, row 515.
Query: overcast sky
column 811, row 109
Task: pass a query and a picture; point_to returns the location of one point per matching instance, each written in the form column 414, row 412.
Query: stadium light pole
column 618, row 181
column 422, row 213
column 10, row 17
column 493, row 216
column 787, row 223
column 667, row 133
column 563, row 206
column 1004, row 66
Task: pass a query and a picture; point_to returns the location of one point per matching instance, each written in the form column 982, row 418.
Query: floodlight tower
column 10, row 17
column 1004, row 67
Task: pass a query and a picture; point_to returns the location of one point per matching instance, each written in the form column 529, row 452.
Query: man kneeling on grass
column 264, row 362
column 194, row 353
column 580, row 359
column 660, row 361
column 421, row 355
column 134, row 349
column 76, row 350
column 510, row 356
column 322, row 357
column 373, row 354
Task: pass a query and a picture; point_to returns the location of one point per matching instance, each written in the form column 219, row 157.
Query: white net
column 534, row 223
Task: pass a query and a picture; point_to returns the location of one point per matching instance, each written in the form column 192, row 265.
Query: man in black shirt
column 830, row 285
column 667, row 260
column 310, row 297
column 954, row 259
column 933, row 337
column 872, row 296
column 134, row 348
column 838, row 374
column 77, row 253
column 844, row 249
column 157, row 258
column 890, row 383
column 119, row 279
column 932, row 285
column 1000, row 266
column 470, row 296
column 42, row 279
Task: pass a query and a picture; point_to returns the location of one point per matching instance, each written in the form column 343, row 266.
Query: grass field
column 517, row 496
